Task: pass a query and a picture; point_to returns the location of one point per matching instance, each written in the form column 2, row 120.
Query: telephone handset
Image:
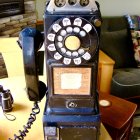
column 30, row 40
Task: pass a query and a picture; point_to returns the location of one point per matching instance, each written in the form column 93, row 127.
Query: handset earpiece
column 30, row 41
column 31, row 32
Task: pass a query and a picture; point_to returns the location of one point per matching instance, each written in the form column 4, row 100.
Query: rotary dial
column 72, row 40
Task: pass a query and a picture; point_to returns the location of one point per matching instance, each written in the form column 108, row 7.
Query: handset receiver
column 30, row 40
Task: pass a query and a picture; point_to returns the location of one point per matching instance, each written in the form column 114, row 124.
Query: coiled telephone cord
column 32, row 118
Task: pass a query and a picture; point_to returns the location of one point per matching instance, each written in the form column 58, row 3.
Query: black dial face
column 72, row 40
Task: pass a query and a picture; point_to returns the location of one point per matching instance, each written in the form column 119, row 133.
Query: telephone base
column 71, row 126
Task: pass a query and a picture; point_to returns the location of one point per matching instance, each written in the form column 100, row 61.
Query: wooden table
column 117, row 117
column 22, row 108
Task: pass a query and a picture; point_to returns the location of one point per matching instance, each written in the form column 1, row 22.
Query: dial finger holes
column 68, row 53
column 75, row 54
column 63, row 33
column 81, row 51
column 63, row 50
column 76, row 30
column 82, row 33
column 60, row 45
column 69, row 29
column 60, row 38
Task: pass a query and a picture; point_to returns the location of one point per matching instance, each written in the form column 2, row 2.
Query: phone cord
column 32, row 118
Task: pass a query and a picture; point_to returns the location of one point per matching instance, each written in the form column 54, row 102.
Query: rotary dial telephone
column 71, row 40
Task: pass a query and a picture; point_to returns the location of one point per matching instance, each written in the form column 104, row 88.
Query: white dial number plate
column 51, row 37
column 51, row 47
column 86, row 56
column 88, row 28
column 67, row 61
column 66, row 22
column 57, row 56
column 77, row 61
column 78, row 22
column 56, row 27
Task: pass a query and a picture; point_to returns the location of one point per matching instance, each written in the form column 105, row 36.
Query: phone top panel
column 72, row 5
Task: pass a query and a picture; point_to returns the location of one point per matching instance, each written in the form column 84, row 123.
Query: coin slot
column 60, row 3
column 72, row 2
column 84, row 2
